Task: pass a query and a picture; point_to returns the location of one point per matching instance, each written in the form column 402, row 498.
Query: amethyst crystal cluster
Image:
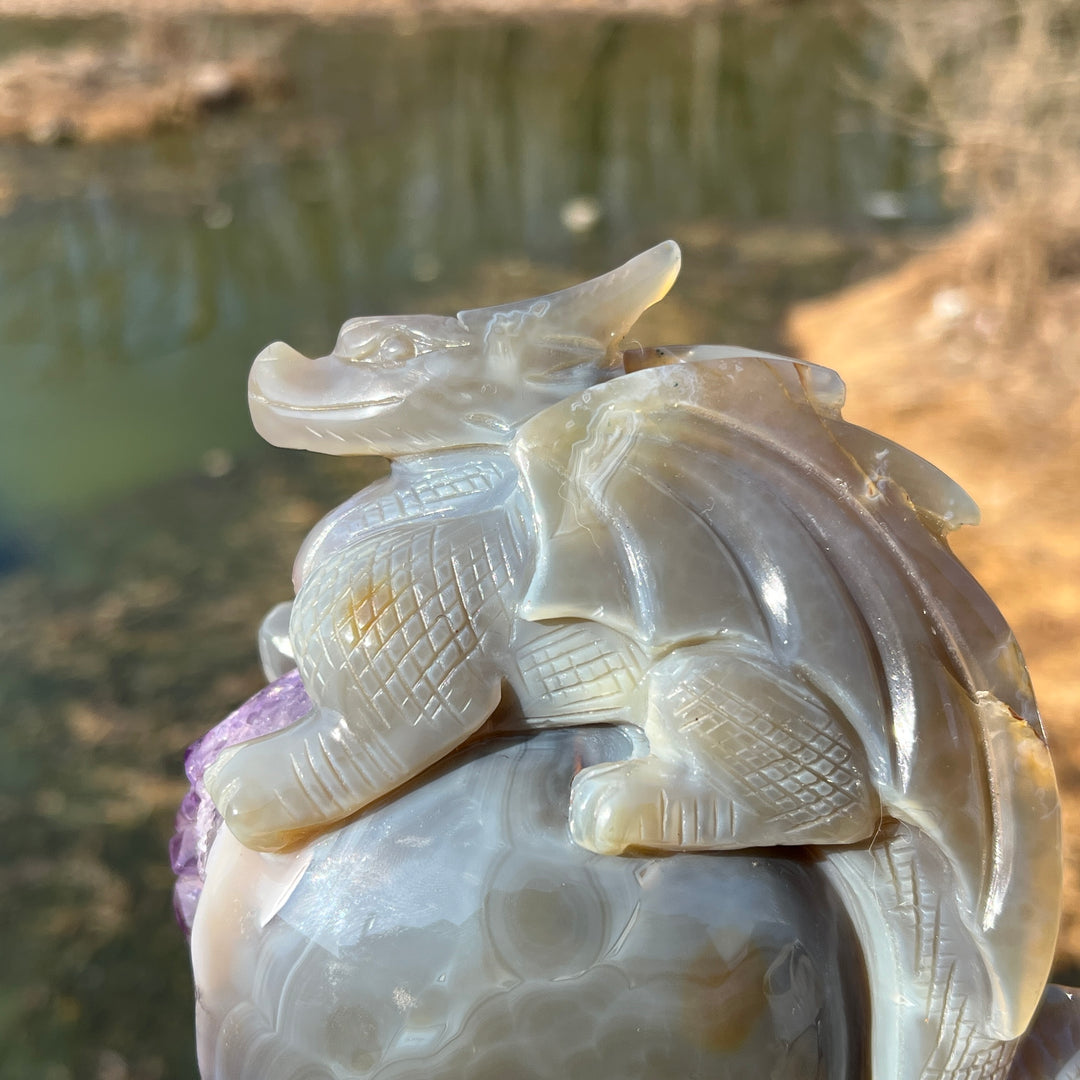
column 197, row 820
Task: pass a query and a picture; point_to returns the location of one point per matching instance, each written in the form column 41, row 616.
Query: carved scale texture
column 926, row 939
column 448, row 484
column 579, row 670
column 386, row 623
column 792, row 769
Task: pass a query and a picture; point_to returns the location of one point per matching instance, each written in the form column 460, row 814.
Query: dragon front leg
column 741, row 755
column 397, row 650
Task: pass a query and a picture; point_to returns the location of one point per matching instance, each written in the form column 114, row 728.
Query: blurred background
column 891, row 189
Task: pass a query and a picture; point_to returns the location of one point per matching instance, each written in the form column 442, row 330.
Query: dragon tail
column 955, row 979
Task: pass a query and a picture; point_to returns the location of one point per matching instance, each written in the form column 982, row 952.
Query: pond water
column 138, row 281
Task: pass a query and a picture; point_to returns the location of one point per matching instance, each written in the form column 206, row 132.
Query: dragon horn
column 585, row 322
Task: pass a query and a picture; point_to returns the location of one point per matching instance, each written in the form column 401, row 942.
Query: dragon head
column 409, row 384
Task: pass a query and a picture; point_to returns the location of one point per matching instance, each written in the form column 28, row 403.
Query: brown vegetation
column 161, row 76
column 997, row 81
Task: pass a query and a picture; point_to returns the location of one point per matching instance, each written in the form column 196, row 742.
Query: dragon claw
column 255, row 810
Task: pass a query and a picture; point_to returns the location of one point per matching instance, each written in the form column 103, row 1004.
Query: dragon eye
column 391, row 347
column 396, row 347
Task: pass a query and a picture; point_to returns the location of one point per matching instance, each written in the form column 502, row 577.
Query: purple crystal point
column 197, row 820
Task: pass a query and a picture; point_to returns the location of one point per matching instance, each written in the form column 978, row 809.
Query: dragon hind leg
column 741, row 755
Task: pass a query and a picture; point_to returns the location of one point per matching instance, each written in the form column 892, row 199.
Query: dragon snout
column 281, row 375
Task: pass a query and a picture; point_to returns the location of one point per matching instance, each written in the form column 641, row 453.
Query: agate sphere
column 455, row 931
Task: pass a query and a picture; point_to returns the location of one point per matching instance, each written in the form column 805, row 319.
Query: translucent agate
column 457, row 931
column 688, row 543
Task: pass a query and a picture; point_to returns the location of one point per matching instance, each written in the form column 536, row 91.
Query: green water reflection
column 136, row 282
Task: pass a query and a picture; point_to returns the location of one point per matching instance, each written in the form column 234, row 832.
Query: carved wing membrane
column 727, row 498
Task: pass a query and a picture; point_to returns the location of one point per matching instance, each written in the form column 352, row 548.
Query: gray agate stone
column 691, row 545
column 455, row 930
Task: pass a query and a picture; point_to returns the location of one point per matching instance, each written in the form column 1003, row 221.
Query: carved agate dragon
column 690, row 540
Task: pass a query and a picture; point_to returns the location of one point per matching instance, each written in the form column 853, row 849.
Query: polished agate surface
column 688, row 544
column 456, row 930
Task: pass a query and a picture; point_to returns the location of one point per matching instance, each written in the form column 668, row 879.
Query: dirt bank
column 161, row 75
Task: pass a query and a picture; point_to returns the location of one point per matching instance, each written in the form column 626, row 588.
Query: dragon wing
column 725, row 497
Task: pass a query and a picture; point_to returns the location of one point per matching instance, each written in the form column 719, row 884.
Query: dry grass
column 998, row 82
